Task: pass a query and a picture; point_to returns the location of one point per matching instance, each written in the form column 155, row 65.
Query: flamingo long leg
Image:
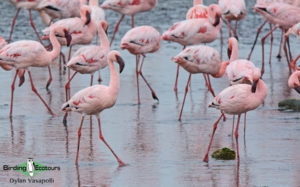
column 92, row 78
column 209, row 86
column 263, row 49
column 67, row 85
column 33, row 26
column 205, row 159
column 132, row 21
column 289, row 48
column 245, row 123
column 36, row 92
column 204, row 76
column 12, row 93
column 237, row 138
column 287, row 55
column 256, row 37
column 233, row 119
column 293, row 63
column 177, row 74
column 78, row 141
column 186, row 91
column 271, row 47
column 280, row 45
column 154, row 96
column 50, row 78
column 121, row 163
column 99, row 77
column 116, row 29
column 13, row 25
column 137, row 78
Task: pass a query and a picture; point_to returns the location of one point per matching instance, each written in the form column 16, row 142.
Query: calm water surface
column 159, row 150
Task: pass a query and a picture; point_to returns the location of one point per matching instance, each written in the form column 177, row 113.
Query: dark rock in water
column 290, row 104
column 224, row 154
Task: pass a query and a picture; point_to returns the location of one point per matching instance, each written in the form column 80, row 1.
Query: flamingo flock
column 77, row 22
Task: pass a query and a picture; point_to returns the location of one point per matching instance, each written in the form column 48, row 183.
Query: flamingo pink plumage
column 281, row 15
column 27, row 53
column 197, row 11
column 94, row 99
column 200, row 59
column 128, row 7
column 294, row 81
column 139, row 41
column 233, row 10
column 236, row 100
column 195, row 31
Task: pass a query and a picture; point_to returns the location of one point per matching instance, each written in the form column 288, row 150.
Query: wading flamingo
column 233, row 10
column 195, row 31
column 128, row 7
column 89, row 59
column 27, row 53
column 139, row 41
column 200, row 59
column 236, row 100
column 283, row 16
column 26, row 4
column 93, row 100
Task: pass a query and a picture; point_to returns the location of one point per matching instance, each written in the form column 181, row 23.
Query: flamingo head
column 215, row 14
column 85, row 13
column 231, row 43
column 104, row 25
column 115, row 56
column 68, row 37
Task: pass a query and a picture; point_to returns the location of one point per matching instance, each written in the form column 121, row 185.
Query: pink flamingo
column 60, row 9
column 240, row 71
column 264, row 3
column 27, row 53
column 94, row 99
column 200, row 59
column 128, row 7
column 89, row 59
column 26, row 4
column 139, row 41
column 282, row 16
column 195, row 31
column 197, row 11
column 294, row 81
column 233, row 10
column 236, row 100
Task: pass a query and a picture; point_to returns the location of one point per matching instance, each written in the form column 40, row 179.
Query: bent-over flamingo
column 93, row 100
column 236, row 100
column 139, row 41
column 200, row 59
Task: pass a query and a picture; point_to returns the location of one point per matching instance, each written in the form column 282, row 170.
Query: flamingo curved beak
column 254, row 85
column 121, row 63
column 68, row 37
column 217, row 20
column 88, row 18
column 124, row 46
column 165, row 37
column 229, row 52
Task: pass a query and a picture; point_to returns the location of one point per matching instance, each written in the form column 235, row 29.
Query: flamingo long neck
column 94, row 3
column 197, row 2
column 55, row 45
column 235, row 52
column 221, row 70
column 114, row 83
column 103, row 38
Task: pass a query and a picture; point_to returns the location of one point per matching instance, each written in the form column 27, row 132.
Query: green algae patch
column 224, row 154
column 290, row 104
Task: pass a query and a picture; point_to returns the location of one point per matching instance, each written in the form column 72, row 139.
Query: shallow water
column 159, row 150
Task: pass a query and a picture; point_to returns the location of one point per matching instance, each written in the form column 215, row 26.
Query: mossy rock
column 290, row 104
column 224, row 154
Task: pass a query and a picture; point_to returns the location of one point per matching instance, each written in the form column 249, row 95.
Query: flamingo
column 236, row 100
column 240, row 71
column 27, row 53
column 89, row 59
column 94, row 99
column 233, row 10
column 197, row 11
column 139, row 41
column 26, row 4
column 60, row 9
column 282, row 16
column 127, row 7
column 195, row 31
column 268, row 2
column 200, row 59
